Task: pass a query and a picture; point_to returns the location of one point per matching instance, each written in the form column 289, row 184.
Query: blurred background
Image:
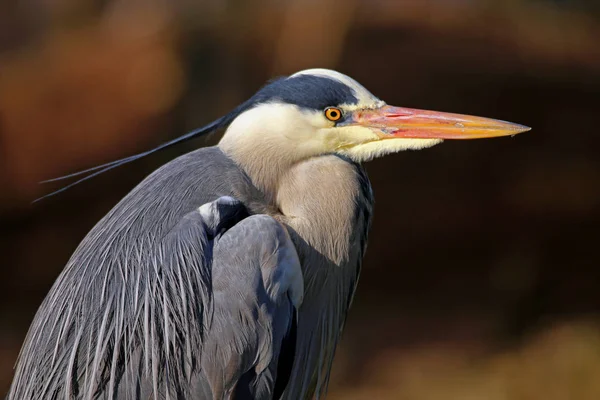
column 482, row 277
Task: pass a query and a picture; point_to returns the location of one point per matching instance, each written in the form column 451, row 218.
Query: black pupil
column 334, row 114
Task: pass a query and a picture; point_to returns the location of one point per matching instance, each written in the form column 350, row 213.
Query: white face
column 292, row 133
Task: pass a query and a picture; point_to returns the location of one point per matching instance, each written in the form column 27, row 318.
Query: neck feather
column 326, row 203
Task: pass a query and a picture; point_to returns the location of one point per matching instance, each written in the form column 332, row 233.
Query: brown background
column 482, row 275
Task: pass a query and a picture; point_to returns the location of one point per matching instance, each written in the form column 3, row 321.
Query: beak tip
column 510, row 128
column 522, row 128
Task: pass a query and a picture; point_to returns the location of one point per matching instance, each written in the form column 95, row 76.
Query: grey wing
column 142, row 319
column 246, row 342
column 257, row 287
column 124, row 320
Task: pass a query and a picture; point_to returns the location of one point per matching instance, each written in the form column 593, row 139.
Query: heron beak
column 397, row 122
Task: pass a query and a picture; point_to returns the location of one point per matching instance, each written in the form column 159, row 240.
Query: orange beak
column 398, row 122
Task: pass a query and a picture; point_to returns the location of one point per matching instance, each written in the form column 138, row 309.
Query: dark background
column 482, row 274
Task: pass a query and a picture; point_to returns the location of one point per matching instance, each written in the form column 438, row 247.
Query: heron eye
column 333, row 114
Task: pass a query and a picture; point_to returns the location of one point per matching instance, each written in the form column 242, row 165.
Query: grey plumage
column 126, row 318
column 331, row 240
column 253, row 311
column 128, row 310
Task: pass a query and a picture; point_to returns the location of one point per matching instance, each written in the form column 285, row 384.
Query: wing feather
column 149, row 319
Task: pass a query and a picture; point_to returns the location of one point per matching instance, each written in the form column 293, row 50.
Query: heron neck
column 326, row 202
column 317, row 198
column 264, row 168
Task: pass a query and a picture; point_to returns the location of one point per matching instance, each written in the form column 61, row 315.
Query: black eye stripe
column 306, row 91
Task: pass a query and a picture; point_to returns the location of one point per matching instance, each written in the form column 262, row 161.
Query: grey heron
column 229, row 271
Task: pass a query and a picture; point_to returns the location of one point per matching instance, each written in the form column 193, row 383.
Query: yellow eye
column 333, row 114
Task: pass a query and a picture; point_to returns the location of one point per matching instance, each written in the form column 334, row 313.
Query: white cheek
column 341, row 137
column 305, row 126
column 282, row 131
column 371, row 150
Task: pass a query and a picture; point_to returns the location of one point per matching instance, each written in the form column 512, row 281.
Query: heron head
column 320, row 111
